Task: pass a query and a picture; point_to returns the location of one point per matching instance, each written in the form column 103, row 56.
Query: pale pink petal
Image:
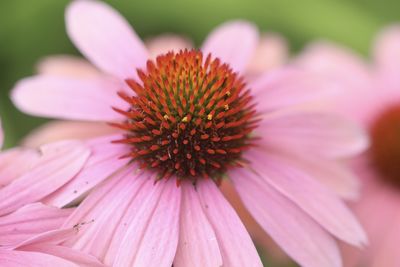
column 50, row 237
column 68, row 98
column 287, row 87
column 271, row 52
column 105, row 160
column 144, row 188
column 57, row 165
column 323, row 134
column 60, row 130
column 10, row 258
column 167, row 42
column 75, row 256
column 47, row 242
column 310, row 195
column 106, row 214
column 30, row 220
column 336, row 62
column 387, row 49
column 335, row 175
column 300, row 236
column 152, row 237
column 105, row 38
column 344, row 69
column 233, row 42
column 198, row 245
column 236, row 246
column 388, row 253
column 68, row 66
column 24, row 158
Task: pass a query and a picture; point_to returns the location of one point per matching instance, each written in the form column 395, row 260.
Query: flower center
column 385, row 146
column 189, row 117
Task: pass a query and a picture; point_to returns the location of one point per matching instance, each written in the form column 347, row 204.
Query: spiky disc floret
column 190, row 117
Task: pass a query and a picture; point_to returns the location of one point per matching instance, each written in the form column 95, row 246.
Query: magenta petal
column 311, row 196
column 233, row 42
column 198, row 245
column 300, row 236
column 105, row 38
column 237, row 248
column 58, row 164
column 68, row 98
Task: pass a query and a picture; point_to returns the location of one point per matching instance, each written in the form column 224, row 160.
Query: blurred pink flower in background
column 370, row 95
column 134, row 221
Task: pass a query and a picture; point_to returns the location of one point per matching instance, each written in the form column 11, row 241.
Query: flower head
column 189, row 118
column 185, row 121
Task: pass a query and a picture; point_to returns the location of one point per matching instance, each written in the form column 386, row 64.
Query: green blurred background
column 30, row 30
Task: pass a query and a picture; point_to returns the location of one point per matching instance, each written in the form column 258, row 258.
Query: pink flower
column 160, row 203
column 370, row 94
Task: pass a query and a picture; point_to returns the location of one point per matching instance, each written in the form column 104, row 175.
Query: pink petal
column 334, row 175
column 336, row 62
column 50, row 237
column 75, row 256
column 387, row 49
column 233, row 42
column 388, row 253
column 103, row 162
column 152, row 237
column 103, row 211
column 22, row 157
column 323, row 134
column 198, row 245
column 235, row 244
column 271, row 52
column 286, row 87
column 68, row 66
column 57, row 165
column 30, row 220
column 165, row 43
column 303, row 239
column 60, row 130
column 105, row 38
column 10, row 258
column 68, row 98
column 310, row 195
